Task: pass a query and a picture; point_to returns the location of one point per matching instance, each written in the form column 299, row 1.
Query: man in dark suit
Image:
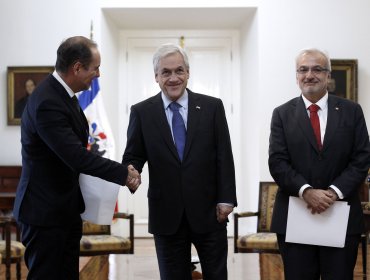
column 191, row 173
column 54, row 134
column 320, row 167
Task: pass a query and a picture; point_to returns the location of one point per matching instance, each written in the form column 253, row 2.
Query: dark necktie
column 178, row 128
column 315, row 122
column 75, row 103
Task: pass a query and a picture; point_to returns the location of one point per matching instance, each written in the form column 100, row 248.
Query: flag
column 100, row 139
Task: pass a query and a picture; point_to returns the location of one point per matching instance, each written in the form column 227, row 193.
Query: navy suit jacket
column 54, row 136
column 295, row 160
column 194, row 186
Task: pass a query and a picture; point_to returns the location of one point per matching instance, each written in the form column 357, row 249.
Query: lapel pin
column 197, row 107
column 337, row 108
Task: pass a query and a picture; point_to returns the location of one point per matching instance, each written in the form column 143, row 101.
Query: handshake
column 133, row 180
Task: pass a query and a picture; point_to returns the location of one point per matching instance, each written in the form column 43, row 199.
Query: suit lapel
column 159, row 116
column 332, row 121
column 194, row 110
column 79, row 117
column 81, row 121
column 304, row 122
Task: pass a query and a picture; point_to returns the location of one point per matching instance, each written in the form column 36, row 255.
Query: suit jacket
column 192, row 187
column 54, row 134
column 294, row 158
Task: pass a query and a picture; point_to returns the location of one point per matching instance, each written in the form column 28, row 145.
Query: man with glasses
column 319, row 151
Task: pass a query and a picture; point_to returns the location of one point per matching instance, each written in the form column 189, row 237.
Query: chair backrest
column 266, row 202
column 94, row 229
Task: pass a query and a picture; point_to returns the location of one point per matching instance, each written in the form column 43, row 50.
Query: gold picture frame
column 343, row 80
column 21, row 83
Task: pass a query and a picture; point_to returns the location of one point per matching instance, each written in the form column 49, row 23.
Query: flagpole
column 95, row 89
column 92, row 30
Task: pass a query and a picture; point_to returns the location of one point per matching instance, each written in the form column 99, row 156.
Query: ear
column 76, row 67
column 156, row 77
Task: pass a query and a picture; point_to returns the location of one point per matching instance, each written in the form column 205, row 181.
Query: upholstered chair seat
column 262, row 241
column 16, row 249
column 98, row 240
column 104, row 244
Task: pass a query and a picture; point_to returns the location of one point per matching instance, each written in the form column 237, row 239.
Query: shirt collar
column 183, row 100
column 60, row 80
column 322, row 103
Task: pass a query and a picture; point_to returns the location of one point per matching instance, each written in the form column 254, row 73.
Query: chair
column 366, row 211
column 263, row 241
column 12, row 251
column 365, row 236
column 98, row 240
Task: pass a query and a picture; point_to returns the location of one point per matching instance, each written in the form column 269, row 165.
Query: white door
column 211, row 72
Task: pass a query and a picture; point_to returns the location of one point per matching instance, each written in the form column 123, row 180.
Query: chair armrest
column 365, row 206
column 122, row 215
column 246, row 214
column 130, row 217
column 8, row 219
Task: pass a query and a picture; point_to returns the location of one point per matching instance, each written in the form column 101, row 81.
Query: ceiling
column 179, row 18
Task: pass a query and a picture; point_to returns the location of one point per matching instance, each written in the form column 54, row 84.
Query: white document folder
column 326, row 229
column 100, row 198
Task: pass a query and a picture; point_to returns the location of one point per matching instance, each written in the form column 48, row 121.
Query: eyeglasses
column 317, row 70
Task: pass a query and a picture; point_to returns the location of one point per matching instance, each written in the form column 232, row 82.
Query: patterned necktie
column 178, row 128
column 75, row 103
column 315, row 122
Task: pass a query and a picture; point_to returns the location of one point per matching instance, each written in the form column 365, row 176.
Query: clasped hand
column 319, row 200
column 133, row 180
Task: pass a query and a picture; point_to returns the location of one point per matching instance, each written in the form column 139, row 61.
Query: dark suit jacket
column 205, row 177
column 295, row 160
column 54, row 136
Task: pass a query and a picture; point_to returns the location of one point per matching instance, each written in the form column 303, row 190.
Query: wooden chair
column 364, row 196
column 11, row 251
column 98, row 240
column 263, row 241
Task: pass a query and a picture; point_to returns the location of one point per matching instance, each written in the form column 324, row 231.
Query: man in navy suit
column 54, row 134
column 320, row 167
column 191, row 175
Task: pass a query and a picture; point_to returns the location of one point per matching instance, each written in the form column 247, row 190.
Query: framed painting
column 21, row 83
column 343, row 80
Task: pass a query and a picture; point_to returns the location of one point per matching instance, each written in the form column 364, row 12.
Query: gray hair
column 166, row 50
column 315, row 51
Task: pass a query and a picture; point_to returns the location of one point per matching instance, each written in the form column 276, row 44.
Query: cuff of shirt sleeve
column 301, row 190
column 337, row 191
column 224, row 203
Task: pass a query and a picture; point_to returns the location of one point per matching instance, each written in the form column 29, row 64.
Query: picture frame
column 21, row 82
column 343, row 81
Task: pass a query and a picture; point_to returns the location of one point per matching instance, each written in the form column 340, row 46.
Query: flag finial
column 182, row 41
